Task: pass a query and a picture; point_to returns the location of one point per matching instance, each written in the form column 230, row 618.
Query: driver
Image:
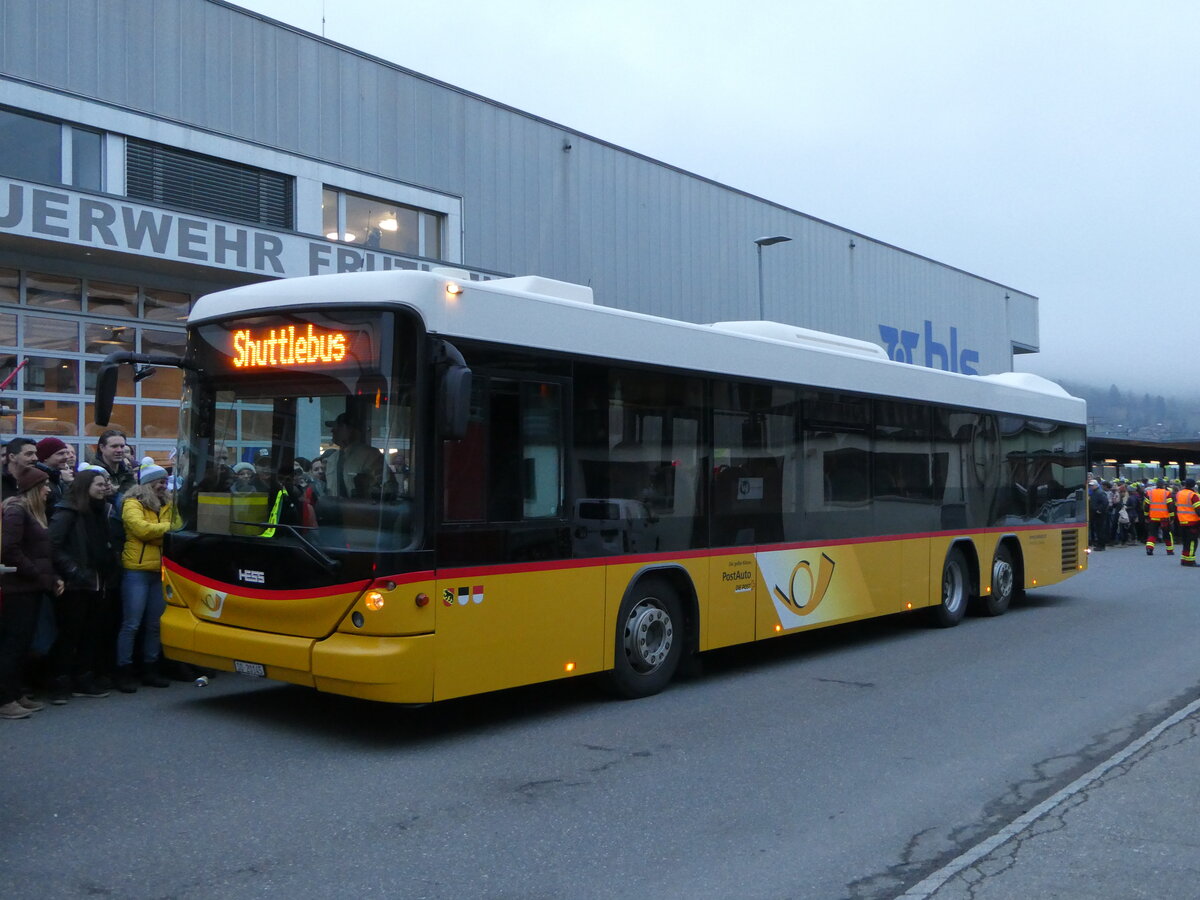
column 355, row 468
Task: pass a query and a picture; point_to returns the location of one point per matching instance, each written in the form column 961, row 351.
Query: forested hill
column 1116, row 412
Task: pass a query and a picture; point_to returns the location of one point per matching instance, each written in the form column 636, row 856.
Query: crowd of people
column 1145, row 513
column 80, row 593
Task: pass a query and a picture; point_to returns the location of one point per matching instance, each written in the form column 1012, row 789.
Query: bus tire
column 955, row 593
column 650, row 639
column 1004, row 584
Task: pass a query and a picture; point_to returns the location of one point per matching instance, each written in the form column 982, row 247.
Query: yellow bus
column 520, row 485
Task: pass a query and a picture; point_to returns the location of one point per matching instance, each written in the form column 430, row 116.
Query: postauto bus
column 528, row 486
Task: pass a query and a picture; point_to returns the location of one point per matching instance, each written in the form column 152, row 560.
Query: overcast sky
column 1049, row 146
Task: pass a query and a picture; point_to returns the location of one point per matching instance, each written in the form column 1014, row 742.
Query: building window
column 380, row 224
column 61, row 328
column 42, row 150
column 166, row 175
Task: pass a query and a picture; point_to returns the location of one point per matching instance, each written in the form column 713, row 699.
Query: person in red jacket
column 1158, row 507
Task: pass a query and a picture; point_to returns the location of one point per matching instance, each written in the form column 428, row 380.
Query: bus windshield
column 300, row 427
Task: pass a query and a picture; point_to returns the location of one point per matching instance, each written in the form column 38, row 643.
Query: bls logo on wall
column 902, row 347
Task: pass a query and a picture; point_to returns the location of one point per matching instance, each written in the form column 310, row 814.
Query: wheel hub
column 648, row 637
column 1002, row 578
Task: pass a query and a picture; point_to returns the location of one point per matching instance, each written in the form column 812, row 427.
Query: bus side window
column 509, row 466
column 464, row 469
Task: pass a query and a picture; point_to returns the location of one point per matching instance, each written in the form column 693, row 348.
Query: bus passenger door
column 513, row 610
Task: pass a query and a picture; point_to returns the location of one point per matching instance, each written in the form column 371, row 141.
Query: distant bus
column 536, row 487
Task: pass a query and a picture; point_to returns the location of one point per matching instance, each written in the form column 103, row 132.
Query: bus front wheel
column 955, row 592
column 650, row 639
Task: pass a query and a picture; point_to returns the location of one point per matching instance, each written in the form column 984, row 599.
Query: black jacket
column 26, row 547
column 83, row 551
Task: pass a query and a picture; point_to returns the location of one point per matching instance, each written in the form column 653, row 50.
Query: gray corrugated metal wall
column 644, row 235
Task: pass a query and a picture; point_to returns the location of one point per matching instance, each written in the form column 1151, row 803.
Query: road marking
column 934, row 882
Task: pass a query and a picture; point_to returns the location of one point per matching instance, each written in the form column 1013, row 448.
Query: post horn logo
column 804, row 603
column 213, row 602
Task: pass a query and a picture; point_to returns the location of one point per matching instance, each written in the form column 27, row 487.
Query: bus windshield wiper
column 311, row 550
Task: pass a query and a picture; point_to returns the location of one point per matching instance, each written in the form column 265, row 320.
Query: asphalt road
column 850, row 763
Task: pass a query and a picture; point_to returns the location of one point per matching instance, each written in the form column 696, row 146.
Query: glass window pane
column 50, row 417
column 167, row 306
column 542, row 450
column 380, row 225
column 107, row 299
column 30, row 148
column 53, row 292
column 51, row 334
column 329, row 213
column 124, row 379
column 85, row 159
column 8, row 362
column 171, row 342
column 122, row 418
column 256, row 426
column 58, row 375
column 8, row 330
column 107, row 339
column 10, row 286
column 160, row 422
column 432, row 246
column 165, row 384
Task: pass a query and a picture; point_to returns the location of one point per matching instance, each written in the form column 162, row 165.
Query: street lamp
column 765, row 242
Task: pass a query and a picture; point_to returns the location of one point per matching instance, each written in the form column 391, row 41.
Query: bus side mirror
column 106, row 390
column 454, row 406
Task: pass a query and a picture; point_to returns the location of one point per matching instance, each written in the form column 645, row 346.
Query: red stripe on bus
column 643, row 558
column 558, row 565
column 309, row 593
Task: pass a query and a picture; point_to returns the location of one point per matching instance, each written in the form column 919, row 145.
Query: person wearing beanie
column 243, row 481
column 26, row 549
column 54, row 455
column 150, row 471
column 146, row 514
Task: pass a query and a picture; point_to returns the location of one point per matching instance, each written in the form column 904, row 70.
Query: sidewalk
column 1129, row 828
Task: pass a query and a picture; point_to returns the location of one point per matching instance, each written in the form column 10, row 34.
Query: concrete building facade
column 152, row 151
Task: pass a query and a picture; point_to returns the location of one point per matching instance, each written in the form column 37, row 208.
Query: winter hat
column 84, row 466
column 150, row 471
column 31, row 477
column 243, row 467
column 47, row 447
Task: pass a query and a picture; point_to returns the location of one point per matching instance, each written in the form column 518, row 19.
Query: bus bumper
column 390, row 669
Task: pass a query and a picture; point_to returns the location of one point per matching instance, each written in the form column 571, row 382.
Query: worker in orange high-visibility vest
column 1187, row 511
column 1158, row 507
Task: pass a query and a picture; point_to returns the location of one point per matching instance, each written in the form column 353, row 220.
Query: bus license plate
column 258, row 670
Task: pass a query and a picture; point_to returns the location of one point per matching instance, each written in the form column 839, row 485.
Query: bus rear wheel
column 1004, row 584
column 955, row 592
column 650, row 639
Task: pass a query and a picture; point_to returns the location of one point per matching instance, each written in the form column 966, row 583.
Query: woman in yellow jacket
column 146, row 514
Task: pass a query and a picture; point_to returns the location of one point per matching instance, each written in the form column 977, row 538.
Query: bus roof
column 544, row 314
